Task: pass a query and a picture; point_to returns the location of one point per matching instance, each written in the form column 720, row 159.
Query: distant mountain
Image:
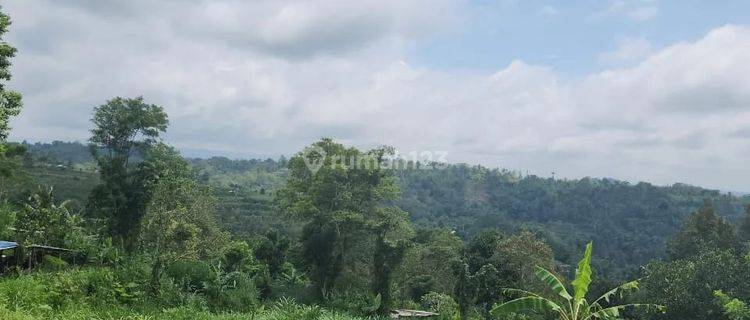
column 630, row 223
column 59, row 151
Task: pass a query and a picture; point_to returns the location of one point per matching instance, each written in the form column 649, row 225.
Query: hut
column 407, row 314
column 8, row 255
column 14, row 255
column 37, row 252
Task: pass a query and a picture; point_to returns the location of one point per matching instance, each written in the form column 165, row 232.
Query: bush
column 442, row 304
column 192, row 275
column 420, row 285
column 52, row 263
column 26, row 292
column 234, row 292
column 238, row 257
column 364, row 304
column 173, row 295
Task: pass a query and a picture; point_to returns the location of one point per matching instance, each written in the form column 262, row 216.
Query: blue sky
column 639, row 90
column 570, row 36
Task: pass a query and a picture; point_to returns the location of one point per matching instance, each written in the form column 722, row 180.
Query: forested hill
column 629, row 222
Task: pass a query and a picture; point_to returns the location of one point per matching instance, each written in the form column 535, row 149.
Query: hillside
column 629, row 222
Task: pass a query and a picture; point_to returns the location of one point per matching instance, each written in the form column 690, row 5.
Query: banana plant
column 571, row 307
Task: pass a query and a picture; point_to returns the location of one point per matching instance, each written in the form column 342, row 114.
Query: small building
column 37, row 252
column 7, row 245
column 404, row 314
column 14, row 255
column 7, row 254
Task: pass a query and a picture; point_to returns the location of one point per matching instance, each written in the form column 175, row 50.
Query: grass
column 99, row 293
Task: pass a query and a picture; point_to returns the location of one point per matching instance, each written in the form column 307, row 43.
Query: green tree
column 237, row 257
column 686, row 287
column 471, row 287
column 566, row 306
column 744, row 231
column 179, row 224
column 482, row 248
column 393, row 235
column 426, row 266
column 493, row 260
column 123, row 128
column 272, row 249
column 340, row 193
column 703, row 230
column 734, row 309
column 43, row 221
column 7, row 220
column 517, row 258
column 10, row 101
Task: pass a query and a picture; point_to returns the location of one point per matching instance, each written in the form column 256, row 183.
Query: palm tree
column 574, row 307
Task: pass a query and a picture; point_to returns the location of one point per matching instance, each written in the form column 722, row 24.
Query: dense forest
column 630, row 223
column 124, row 227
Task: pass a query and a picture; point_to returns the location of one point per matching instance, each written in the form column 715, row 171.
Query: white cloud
column 636, row 10
column 261, row 85
column 628, row 50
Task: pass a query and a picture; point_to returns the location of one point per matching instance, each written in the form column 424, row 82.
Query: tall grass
column 105, row 293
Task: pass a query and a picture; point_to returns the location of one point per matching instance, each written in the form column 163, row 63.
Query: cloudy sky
column 641, row 90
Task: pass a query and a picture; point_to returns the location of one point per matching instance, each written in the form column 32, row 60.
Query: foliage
column 106, row 293
column 238, row 257
column 341, row 200
column 686, row 287
column 703, row 230
column 442, row 304
column 517, row 257
column 10, row 101
column 734, row 308
column 570, row 307
column 272, row 250
column 53, row 263
column 43, row 221
column 7, row 220
column 192, row 275
column 122, row 127
column 179, row 225
column 629, row 222
column 426, row 264
column 744, row 229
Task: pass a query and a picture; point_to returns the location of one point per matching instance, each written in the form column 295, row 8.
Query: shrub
column 238, row 257
column 25, row 292
column 52, row 263
column 191, row 274
column 364, row 304
column 173, row 295
column 420, row 285
column 442, row 304
column 233, row 291
column 66, row 288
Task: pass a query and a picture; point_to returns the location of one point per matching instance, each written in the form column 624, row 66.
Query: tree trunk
column 156, row 271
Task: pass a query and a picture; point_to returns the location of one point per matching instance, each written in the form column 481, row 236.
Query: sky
column 641, row 90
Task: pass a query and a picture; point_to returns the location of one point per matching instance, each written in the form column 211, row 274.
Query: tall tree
column 272, row 249
column 744, row 231
column 703, row 230
column 342, row 194
column 393, row 235
column 123, row 127
column 179, row 223
column 10, row 101
column 686, row 287
column 426, row 268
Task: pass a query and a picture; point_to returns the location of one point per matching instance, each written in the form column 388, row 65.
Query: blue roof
column 5, row 245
